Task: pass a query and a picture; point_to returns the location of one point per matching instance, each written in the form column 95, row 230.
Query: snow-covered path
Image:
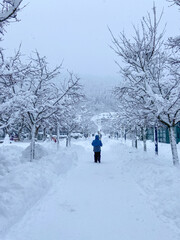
column 93, row 201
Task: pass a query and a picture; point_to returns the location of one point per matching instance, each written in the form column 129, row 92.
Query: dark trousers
column 97, row 157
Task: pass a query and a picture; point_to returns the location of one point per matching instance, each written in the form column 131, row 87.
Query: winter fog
column 77, row 33
column 89, row 120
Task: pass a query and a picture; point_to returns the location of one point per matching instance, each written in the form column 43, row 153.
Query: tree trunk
column 135, row 138
column 50, row 133
column 20, row 134
column 33, row 130
column 144, row 139
column 36, row 132
column 173, row 145
column 68, row 140
column 136, row 145
column 57, row 136
column 125, row 135
column 5, row 131
column 156, row 140
column 117, row 135
column 44, row 134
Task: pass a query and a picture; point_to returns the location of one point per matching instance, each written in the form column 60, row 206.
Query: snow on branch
column 177, row 2
column 139, row 51
column 174, row 42
column 8, row 12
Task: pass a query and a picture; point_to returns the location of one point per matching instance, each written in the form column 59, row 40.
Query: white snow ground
column 130, row 195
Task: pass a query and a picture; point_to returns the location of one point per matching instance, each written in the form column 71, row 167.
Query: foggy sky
column 76, row 31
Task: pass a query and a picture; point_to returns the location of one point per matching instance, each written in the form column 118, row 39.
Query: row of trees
column 34, row 95
column 149, row 93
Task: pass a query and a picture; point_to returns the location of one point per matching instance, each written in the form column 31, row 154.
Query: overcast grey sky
column 76, row 30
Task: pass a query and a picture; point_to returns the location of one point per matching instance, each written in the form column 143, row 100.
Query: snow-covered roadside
column 23, row 183
column 157, row 176
column 94, row 201
column 27, row 182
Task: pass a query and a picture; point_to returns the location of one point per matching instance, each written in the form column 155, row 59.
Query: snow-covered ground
column 64, row 195
column 23, row 183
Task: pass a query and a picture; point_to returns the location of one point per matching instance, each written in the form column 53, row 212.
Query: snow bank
column 23, row 183
column 156, row 175
column 39, row 153
column 158, row 178
column 10, row 156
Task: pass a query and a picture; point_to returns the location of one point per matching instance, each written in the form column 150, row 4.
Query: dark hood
column 97, row 137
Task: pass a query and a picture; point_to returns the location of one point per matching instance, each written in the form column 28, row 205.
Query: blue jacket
column 97, row 144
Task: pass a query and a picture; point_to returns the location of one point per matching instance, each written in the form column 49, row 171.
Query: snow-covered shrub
column 39, row 153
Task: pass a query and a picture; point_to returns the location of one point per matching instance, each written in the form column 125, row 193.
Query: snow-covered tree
column 139, row 56
column 8, row 12
column 67, row 116
column 174, row 42
column 43, row 96
column 31, row 93
column 12, row 75
column 69, row 122
column 148, row 87
column 87, row 125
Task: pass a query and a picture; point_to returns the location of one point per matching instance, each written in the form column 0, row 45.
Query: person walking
column 97, row 144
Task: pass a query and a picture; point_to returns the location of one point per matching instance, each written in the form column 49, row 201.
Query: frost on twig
column 8, row 12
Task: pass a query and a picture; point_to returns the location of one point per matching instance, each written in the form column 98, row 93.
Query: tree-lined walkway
column 94, row 201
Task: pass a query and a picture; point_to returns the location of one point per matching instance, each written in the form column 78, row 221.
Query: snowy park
column 65, row 195
column 89, row 120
